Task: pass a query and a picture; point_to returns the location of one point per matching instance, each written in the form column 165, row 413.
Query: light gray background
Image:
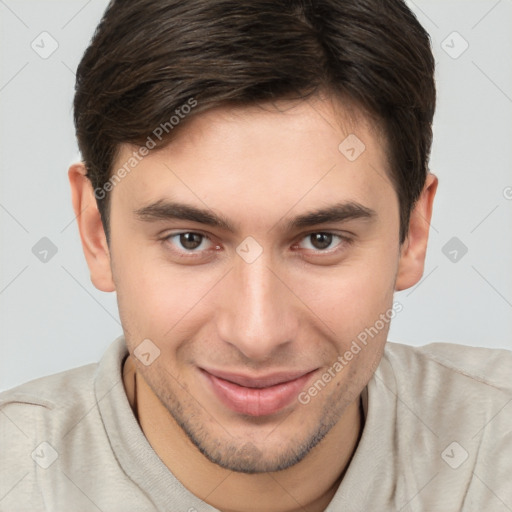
column 51, row 316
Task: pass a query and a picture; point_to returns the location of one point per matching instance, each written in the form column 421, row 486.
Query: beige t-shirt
column 437, row 438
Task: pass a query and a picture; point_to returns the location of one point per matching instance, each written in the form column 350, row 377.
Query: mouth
column 256, row 396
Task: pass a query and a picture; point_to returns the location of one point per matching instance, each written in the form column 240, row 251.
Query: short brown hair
column 147, row 58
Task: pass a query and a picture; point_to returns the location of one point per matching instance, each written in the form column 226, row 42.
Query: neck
column 310, row 484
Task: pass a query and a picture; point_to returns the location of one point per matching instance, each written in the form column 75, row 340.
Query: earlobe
column 92, row 234
column 414, row 248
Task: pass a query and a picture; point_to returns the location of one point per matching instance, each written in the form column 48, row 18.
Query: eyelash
column 194, row 253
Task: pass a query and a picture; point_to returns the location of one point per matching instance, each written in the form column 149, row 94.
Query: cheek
column 353, row 295
column 158, row 300
column 359, row 311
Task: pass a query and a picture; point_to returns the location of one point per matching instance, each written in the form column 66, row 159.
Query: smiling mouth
column 260, row 396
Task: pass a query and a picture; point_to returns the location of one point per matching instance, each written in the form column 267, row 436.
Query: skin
column 298, row 306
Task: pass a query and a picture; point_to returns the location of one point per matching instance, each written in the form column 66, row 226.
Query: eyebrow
column 170, row 210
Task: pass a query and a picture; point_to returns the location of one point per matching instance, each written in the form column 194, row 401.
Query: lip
column 256, row 396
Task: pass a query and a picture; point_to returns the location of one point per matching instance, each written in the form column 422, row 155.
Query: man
column 254, row 188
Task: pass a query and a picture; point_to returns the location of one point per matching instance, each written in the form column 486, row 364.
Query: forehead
column 318, row 117
column 265, row 158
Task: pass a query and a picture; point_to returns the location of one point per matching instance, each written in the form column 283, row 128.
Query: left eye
column 189, row 241
column 320, row 241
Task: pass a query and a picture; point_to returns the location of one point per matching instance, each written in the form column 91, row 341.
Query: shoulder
column 46, row 391
column 453, row 389
column 485, row 368
column 55, row 403
column 452, row 414
column 33, row 418
column 71, row 390
column 453, row 383
column 48, row 402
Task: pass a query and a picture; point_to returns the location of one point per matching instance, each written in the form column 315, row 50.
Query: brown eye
column 190, row 240
column 324, row 242
column 321, row 240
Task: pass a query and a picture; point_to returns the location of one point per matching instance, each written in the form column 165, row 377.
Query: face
column 252, row 252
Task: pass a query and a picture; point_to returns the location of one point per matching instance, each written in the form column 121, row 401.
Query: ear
column 414, row 248
column 92, row 234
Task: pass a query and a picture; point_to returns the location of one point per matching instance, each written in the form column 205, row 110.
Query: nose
column 257, row 311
